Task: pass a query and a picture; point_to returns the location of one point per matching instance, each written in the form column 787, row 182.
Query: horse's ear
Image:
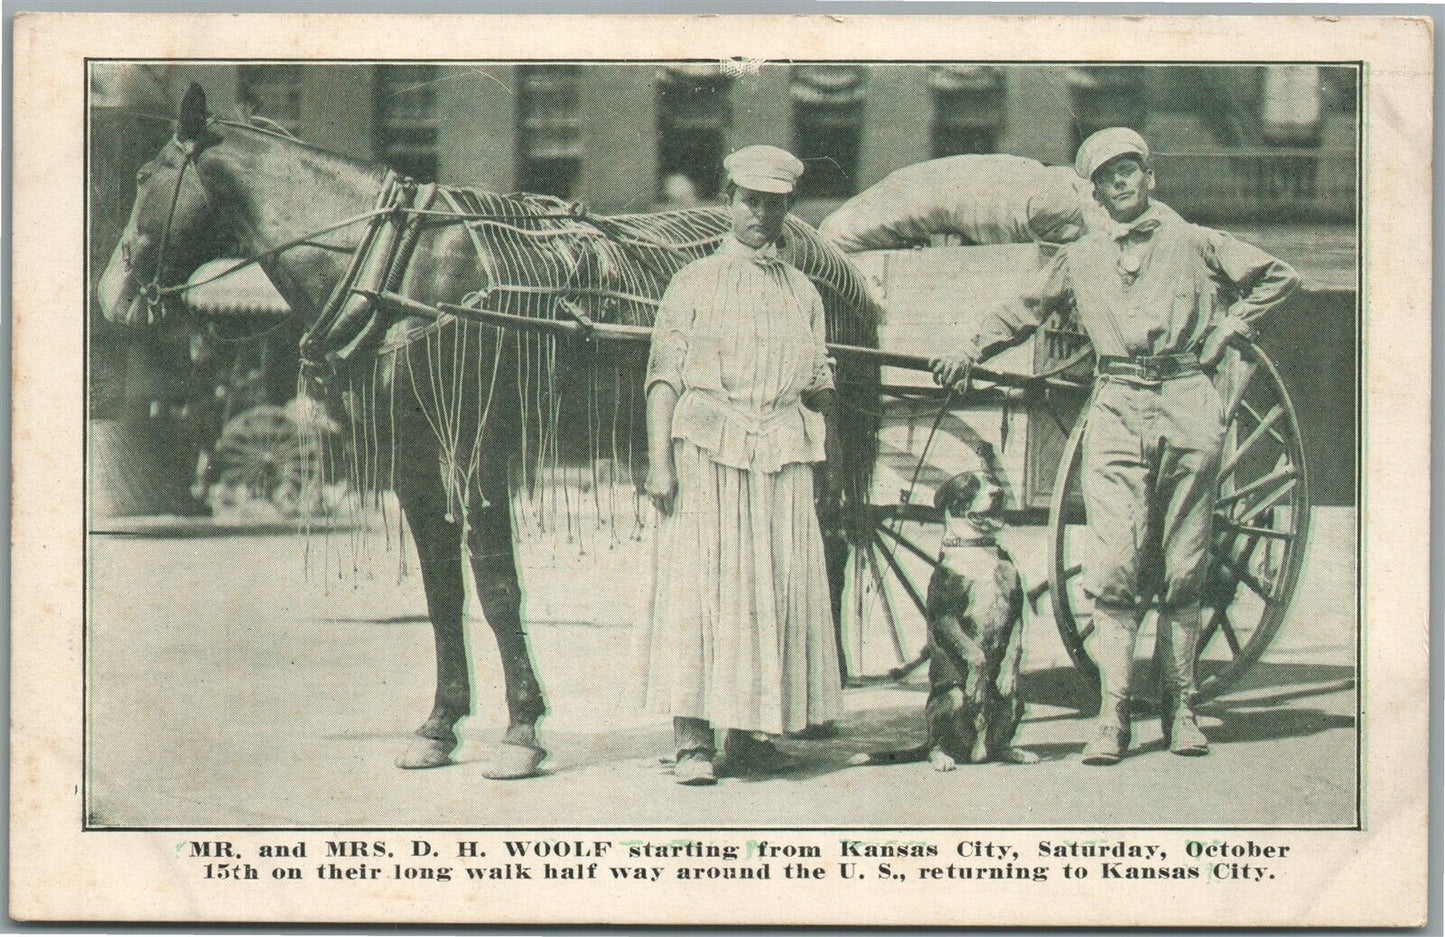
column 191, row 121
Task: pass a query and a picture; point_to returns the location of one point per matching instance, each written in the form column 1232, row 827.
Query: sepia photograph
column 734, row 470
column 835, row 436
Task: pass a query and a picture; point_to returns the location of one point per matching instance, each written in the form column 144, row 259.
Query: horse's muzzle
column 119, row 297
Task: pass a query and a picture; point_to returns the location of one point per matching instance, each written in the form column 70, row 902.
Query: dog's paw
column 941, row 762
column 1020, row 756
column 862, row 758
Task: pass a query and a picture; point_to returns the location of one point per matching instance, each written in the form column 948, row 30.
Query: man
column 1146, row 285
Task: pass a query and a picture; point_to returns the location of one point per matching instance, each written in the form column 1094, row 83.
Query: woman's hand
column 661, row 484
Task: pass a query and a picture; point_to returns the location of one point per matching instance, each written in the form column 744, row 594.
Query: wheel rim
column 263, row 453
column 1260, row 531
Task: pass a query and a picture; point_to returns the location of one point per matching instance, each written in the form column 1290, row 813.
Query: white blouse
column 740, row 336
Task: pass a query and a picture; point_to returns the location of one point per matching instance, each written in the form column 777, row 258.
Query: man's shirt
column 1149, row 287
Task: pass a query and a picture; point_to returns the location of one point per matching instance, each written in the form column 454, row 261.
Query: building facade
column 1235, row 143
column 1269, row 149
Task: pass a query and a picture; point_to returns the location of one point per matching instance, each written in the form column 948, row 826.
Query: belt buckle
column 1164, row 367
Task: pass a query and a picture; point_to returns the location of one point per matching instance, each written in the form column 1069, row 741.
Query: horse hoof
column 511, row 762
column 426, row 753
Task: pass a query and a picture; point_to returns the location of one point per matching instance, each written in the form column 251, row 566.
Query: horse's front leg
column 438, row 546
column 494, row 565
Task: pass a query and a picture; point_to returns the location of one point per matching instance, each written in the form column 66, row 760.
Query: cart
column 1023, row 419
column 1026, row 424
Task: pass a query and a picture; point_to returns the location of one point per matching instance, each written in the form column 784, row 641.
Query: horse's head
column 173, row 227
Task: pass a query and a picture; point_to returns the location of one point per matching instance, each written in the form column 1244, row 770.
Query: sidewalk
column 268, row 681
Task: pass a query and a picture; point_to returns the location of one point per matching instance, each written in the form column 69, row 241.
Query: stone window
column 273, row 92
column 550, row 128
column 694, row 112
column 407, row 120
column 968, row 108
column 828, row 127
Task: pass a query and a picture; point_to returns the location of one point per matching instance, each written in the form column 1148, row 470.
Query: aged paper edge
column 1374, row 876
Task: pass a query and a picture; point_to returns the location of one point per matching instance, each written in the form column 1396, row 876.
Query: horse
column 439, row 404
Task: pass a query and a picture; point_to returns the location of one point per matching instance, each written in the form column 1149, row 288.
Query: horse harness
column 347, row 323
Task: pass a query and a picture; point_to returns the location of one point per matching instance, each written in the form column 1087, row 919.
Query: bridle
column 154, row 293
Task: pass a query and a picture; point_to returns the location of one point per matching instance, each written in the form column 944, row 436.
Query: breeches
column 1151, row 465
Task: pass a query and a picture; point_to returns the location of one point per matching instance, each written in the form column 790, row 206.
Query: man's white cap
column 1109, row 143
column 764, row 168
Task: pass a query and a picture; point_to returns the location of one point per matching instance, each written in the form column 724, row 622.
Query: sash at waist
column 749, row 439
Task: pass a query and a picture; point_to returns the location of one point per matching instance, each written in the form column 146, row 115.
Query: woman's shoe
column 745, row 754
column 694, row 768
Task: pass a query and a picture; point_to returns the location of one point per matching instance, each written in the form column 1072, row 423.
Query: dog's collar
column 953, row 543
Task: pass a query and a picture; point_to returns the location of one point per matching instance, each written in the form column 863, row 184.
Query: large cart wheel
column 263, row 455
column 889, row 570
column 1261, row 524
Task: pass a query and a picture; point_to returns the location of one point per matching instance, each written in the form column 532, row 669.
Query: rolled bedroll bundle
column 983, row 199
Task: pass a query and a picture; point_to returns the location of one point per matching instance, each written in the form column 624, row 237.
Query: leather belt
column 1156, row 368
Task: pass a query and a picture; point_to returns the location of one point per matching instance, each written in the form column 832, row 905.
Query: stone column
column 477, row 141
column 619, row 137
column 338, row 109
column 897, row 121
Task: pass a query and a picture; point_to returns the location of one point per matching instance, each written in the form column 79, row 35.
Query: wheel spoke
column 1249, row 441
column 909, row 545
column 1241, row 559
column 1269, row 502
column 1255, row 413
column 1253, row 531
column 1261, row 589
column 1279, row 474
column 1230, row 637
column 902, row 578
column 894, row 631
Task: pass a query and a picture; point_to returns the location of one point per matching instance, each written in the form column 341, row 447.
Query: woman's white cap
column 764, row 168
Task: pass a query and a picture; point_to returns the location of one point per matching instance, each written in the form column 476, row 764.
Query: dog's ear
column 945, row 494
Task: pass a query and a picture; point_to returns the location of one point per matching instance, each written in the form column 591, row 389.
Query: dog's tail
column 897, row 756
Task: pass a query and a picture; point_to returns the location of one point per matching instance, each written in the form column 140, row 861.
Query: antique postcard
column 721, row 470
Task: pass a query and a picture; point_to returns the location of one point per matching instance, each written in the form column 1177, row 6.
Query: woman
column 739, row 634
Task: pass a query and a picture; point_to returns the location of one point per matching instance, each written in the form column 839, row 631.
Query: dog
column 975, row 636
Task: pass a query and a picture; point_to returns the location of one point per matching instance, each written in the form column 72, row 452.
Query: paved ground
column 234, row 684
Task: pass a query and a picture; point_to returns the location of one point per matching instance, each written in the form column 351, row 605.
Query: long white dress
column 739, row 628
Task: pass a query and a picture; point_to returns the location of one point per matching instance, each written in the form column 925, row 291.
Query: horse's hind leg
column 438, row 546
column 494, row 565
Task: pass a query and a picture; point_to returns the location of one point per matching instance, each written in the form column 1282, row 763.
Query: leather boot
column 695, row 751
column 1178, row 635
column 1114, row 632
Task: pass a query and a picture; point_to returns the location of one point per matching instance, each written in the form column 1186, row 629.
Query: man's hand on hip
column 1219, row 338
